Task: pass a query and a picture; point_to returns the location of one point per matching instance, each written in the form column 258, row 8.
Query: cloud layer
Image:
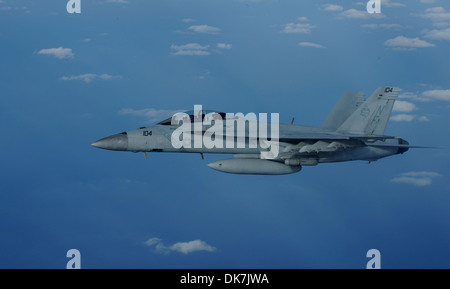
column 59, row 52
column 310, row 44
column 420, row 179
column 180, row 247
column 405, row 43
column 303, row 28
column 190, row 49
column 204, row 29
column 89, row 77
column 224, row 45
column 437, row 94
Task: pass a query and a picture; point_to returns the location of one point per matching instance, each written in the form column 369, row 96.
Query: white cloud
column 437, row 14
column 190, row 46
column 407, row 95
column 405, row 43
column 106, row 76
column 360, row 14
column 332, row 7
column 224, row 45
column 59, row 52
column 180, row 247
column 190, row 49
column 192, row 52
column 383, row 26
column 150, row 114
column 437, row 94
column 152, row 241
column 304, row 28
column 311, row 44
column 388, row 3
column 404, row 106
column 403, row 117
column 442, row 34
column 204, row 29
column 422, row 174
column 303, row 18
column 89, row 77
column 441, row 24
column 423, row 178
column 413, row 96
column 192, row 246
column 413, row 181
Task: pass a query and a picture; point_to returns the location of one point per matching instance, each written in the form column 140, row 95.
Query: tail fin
column 344, row 107
column 371, row 117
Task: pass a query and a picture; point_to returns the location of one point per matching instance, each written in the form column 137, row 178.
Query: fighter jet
column 353, row 130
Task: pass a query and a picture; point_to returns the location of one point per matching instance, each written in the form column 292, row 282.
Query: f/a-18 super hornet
column 353, row 130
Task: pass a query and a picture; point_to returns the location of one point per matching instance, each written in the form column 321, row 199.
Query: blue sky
column 69, row 79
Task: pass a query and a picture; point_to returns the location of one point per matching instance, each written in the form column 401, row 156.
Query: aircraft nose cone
column 215, row 165
column 117, row 142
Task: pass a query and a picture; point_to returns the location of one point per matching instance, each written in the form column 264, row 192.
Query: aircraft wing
column 304, row 148
column 403, row 146
column 296, row 138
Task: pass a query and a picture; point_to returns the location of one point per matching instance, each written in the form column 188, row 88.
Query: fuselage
column 157, row 138
column 353, row 130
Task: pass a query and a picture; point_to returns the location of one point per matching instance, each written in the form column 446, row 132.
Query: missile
column 253, row 167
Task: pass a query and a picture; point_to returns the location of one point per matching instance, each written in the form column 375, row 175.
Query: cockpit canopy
column 176, row 118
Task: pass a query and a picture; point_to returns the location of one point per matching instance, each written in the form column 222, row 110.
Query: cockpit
column 191, row 116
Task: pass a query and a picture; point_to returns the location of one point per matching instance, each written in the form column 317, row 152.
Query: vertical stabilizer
column 344, row 107
column 371, row 117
